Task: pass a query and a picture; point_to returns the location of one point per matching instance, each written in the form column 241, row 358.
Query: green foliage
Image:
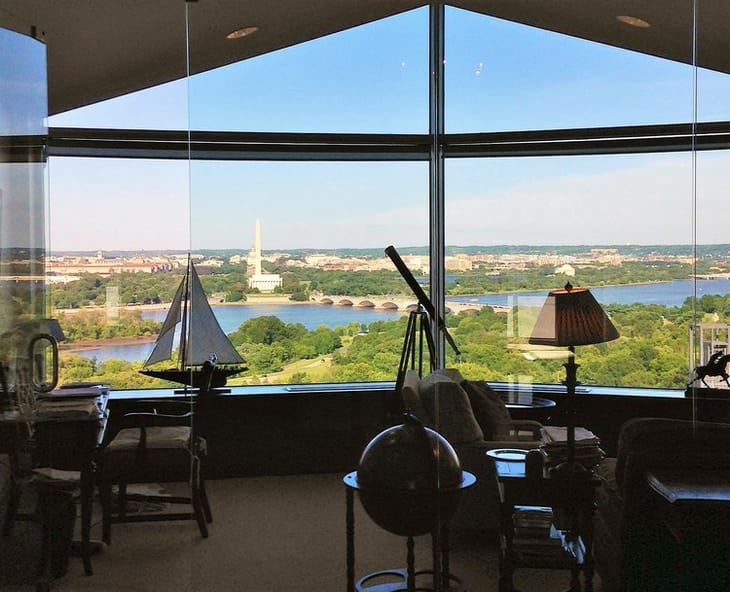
column 651, row 352
column 94, row 324
column 299, row 295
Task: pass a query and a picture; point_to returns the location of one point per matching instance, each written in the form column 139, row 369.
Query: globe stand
column 399, row 579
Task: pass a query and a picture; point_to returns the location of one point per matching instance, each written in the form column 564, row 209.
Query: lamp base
column 569, row 470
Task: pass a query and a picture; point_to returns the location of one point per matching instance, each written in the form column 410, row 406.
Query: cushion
column 410, row 393
column 448, row 404
column 450, row 373
column 158, row 437
column 489, row 410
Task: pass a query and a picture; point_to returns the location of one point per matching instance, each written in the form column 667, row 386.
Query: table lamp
column 569, row 317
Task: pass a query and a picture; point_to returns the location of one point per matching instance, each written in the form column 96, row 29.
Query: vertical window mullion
column 436, row 171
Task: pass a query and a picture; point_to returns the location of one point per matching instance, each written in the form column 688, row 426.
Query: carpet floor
column 282, row 534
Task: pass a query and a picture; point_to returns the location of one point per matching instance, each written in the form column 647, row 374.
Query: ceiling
column 106, row 48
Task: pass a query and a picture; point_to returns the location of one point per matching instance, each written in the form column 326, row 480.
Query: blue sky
column 499, row 76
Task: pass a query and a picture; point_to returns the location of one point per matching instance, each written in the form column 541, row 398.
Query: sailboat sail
column 191, row 329
column 166, row 339
column 205, row 336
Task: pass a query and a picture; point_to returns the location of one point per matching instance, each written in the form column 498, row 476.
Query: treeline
column 96, row 324
column 652, row 350
column 143, row 288
column 230, row 283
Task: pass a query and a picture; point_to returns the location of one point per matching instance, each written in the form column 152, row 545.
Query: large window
column 565, row 160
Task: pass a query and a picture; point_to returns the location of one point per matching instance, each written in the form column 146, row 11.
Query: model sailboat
column 192, row 335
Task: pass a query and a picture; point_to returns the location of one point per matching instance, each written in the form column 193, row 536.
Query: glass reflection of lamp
column 43, row 354
column 570, row 317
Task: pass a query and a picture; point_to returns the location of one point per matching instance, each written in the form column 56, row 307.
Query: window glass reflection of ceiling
column 102, row 49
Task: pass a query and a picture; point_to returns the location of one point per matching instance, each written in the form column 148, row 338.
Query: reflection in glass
column 22, row 190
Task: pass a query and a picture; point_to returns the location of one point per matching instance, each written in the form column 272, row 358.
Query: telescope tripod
column 418, row 336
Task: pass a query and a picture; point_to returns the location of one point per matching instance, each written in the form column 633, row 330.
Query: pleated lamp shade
column 572, row 316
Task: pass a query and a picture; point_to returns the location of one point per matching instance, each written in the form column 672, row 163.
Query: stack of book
column 534, row 536
column 554, row 446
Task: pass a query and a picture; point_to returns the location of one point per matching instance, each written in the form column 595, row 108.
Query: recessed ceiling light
column 633, row 21
column 242, row 32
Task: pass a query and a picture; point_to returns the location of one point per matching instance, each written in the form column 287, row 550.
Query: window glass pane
column 620, row 225
column 292, row 255
column 161, row 107
column 119, row 236
column 713, row 265
column 504, row 76
column 23, row 203
column 713, row 88
column 372, row 78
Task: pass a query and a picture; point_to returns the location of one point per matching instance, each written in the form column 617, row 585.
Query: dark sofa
column 633, row 550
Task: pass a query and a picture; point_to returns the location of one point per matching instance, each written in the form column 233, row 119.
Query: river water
column 312, row 316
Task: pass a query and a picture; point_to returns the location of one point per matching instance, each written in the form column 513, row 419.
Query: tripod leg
column 406, row 363
column 426, row 330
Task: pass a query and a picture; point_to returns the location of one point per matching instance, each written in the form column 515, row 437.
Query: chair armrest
column 153, row 418
column 162, row 411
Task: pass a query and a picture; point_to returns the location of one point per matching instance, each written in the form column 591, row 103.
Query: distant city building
column 459, row 262
column 66, row 269
column 566, row 269
column 265, row 282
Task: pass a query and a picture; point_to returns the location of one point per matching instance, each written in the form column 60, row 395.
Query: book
column 551, row 538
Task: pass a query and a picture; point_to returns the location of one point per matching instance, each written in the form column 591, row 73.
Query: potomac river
column 230, row 316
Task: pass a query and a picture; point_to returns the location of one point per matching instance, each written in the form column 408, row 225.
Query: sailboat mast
column 182, row 357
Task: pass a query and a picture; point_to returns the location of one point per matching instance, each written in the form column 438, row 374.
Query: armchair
column 474, row 419
column 633, row 551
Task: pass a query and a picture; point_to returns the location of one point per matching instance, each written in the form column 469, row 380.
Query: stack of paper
column 555, row 446
column 79, row 390
column 532, row 521
column 534, row 535
column 68, row 409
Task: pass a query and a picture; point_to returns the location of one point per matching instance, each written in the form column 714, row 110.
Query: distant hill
column 721, row 250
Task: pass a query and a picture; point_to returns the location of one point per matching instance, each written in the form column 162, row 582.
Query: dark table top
column 691, row 485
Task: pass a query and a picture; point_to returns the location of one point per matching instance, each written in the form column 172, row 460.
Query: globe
column 409, row 479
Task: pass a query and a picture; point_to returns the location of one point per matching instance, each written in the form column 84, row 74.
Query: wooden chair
column 158, row 443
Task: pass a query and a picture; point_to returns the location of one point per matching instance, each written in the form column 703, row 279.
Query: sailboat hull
column 197, row 377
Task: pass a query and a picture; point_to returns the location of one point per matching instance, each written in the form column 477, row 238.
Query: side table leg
column 575, row 580
column 436, row 559
column 87, row 500
column 411, row 563
column 506, row 571
column 588, row 542
column 445, row 560
column 350, row 529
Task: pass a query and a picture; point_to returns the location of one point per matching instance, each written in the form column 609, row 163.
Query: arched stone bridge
column 399, row 303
